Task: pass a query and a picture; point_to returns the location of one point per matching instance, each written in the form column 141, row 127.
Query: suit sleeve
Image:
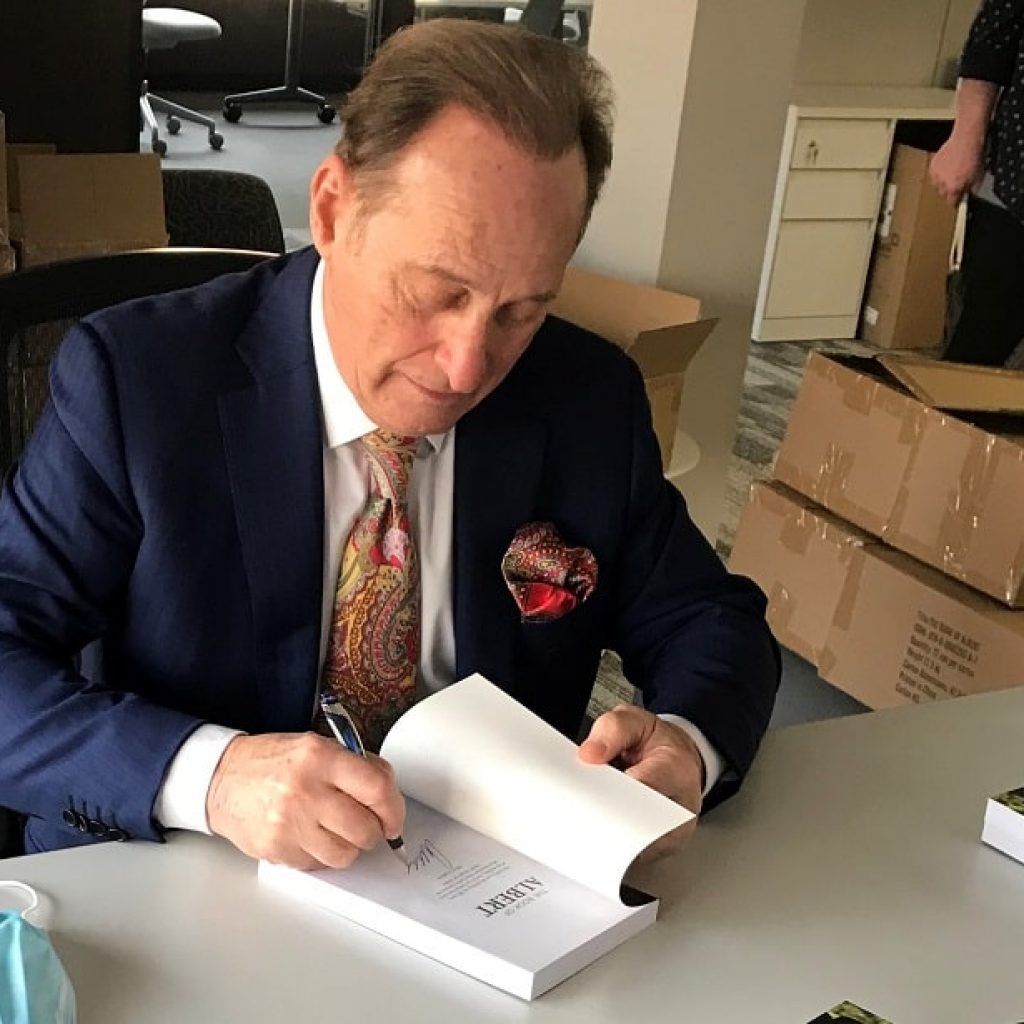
column 692, row 636
column 69, row 532
column 990, row 53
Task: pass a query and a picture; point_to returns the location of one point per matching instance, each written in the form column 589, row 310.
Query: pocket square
column 547, row 578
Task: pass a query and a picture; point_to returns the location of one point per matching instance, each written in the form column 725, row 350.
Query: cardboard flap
column 959, row 386
column 103, row 198
column 620, row 310
column 15, row 151
column 670, row 349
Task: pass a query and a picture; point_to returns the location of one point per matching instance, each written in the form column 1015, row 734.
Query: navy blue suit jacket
column 171, row 501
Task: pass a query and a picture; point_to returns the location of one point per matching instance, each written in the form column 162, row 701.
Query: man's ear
column 331, row 199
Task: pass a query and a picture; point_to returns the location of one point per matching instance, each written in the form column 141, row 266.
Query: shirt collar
column 344, row 420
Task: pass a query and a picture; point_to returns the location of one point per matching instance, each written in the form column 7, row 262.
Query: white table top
column 848, row 868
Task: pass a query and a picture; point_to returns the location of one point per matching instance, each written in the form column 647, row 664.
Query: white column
column 702, row 88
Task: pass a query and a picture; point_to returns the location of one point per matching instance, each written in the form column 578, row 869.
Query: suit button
column 69, row 817
column 117, row 835
column 96, row 827
column 81, row 822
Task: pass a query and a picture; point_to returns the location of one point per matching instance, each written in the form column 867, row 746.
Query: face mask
column 34, row 988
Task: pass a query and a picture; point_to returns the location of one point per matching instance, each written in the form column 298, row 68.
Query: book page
column 475, row 754
column 472, row 903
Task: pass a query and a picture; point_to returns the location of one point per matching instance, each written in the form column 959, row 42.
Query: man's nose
column 462, row 351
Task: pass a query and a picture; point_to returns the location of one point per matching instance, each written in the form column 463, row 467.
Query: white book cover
column 1004, row 823
column 517, row 849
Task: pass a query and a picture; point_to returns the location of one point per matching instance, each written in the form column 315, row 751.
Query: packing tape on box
column 845, row 607
column 959, row 529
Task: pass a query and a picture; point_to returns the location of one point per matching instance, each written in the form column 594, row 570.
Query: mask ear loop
column 32, row 895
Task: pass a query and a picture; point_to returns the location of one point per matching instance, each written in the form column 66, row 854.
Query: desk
column 848, row 868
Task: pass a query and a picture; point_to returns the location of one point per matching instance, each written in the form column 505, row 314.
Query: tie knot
column 391, row 457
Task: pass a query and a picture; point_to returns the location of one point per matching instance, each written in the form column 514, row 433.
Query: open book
column 517, row 849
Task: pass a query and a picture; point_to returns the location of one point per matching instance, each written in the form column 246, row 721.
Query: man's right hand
column 957, row 167
column 302, row 800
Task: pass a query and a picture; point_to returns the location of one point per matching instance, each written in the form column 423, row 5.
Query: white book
column 518, row 850
column 1004, row 823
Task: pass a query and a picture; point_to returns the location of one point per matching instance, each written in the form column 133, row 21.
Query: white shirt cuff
column 713, row 763
column 181, row 801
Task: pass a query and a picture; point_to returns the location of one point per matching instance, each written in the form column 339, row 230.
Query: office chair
column 543, row 17
column 162, row 28
column 221, row 209
column 291, row 90
column 37, row 306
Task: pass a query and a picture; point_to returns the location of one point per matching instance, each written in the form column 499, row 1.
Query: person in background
column 983, row 159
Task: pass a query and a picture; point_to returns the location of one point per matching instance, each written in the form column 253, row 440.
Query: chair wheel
column 325, row 113
column 173, row 125
column 232, row 112
column 159, row 147
column 216, row 140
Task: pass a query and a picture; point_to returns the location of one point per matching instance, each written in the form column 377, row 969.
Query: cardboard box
column 926, row 481
column 15, row 150
column 905, row 300
column 802, row 561
column 876, row 623
column 80, row 205
column 659, row 329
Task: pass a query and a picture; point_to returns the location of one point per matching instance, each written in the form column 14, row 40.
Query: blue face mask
column 34, row 988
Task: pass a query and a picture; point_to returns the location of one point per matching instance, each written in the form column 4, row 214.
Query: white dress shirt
column 181, row 801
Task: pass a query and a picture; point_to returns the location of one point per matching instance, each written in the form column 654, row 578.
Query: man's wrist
column 712, row 764
column 182, row 799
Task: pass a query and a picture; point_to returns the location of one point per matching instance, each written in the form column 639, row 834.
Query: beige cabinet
column 835, row 152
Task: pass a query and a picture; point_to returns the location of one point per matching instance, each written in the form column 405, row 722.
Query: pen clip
column 341, row 724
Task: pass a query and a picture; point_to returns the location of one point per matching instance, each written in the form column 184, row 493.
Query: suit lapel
column 274, row 450
column 498, row 462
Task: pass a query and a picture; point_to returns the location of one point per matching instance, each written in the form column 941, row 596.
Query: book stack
column 848, row 1013
column 1004, row 823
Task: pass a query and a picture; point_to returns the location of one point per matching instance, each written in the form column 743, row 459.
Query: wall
column 702, row 89
column 881, row 42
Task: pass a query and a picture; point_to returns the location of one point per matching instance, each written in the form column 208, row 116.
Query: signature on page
column 428, row 854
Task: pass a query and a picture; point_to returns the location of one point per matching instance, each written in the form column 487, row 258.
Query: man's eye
column 517, row 316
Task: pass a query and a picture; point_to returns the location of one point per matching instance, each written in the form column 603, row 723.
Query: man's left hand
column 658, row 754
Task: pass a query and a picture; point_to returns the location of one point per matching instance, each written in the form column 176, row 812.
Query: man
column 200, row 492
column 984, row 156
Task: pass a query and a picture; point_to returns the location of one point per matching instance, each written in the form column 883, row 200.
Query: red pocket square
column 547, row 578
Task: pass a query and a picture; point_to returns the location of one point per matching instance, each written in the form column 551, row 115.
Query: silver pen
column 346, row 733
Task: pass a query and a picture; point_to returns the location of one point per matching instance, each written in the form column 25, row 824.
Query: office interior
column 704, row 89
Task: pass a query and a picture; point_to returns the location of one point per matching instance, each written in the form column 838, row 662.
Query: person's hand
column 302, row 800
column 655, row 752
column 956, row 167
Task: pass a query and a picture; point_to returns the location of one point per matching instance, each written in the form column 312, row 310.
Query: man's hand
column 957, row 167
column 658, row 754
column 302, row 800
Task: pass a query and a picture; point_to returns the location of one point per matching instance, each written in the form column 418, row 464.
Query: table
column 848, row 868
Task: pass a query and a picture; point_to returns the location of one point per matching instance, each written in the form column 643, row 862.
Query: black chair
column 221, row 210
column 543, row 17
column 38, row 305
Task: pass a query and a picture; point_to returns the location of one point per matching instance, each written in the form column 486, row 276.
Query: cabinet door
column 822, row 142
column 819, row 268
column 832, row 195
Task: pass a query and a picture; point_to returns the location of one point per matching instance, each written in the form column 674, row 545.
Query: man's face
column 432, row 295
